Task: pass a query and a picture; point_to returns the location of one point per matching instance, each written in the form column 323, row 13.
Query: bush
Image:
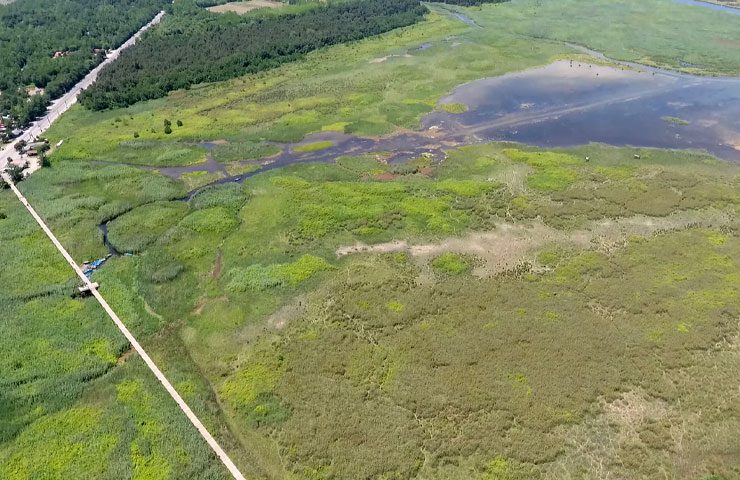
column 451, row 263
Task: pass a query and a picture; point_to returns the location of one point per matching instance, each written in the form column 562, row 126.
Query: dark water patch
column 103, row 227
column 713, row 6
column 465, row 19
column 569, row 103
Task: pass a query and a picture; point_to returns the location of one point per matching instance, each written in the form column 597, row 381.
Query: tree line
column 194, row 46
column 51, row 45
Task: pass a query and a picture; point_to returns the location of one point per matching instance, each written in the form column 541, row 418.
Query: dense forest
column 194, row 46
column 51, row 44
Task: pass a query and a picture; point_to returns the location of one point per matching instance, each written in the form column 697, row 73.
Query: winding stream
column 558, row 105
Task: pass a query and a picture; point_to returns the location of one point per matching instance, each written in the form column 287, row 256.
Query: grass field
column 74, row 403
column 350, row 86
column 506, row 248
column 508, row 313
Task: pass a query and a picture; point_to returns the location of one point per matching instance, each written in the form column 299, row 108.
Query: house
column 34, row 90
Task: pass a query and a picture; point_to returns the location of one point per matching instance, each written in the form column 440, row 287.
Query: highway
column 63, row 103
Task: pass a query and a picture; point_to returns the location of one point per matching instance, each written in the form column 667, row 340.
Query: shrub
column 451, row 263
column 260, row 277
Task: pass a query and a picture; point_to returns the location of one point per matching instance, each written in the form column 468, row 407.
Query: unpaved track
column 134, row 343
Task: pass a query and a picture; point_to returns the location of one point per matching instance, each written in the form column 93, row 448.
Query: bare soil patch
column 217, row 267
column 509, row 245
column 241, row 8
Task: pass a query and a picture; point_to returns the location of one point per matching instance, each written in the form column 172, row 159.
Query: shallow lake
column 559, row 105
column 565, row 104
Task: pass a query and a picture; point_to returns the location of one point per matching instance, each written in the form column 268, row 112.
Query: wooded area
column 48, row 46
column 195, row 46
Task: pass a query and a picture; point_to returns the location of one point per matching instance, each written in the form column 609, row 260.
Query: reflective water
column 567, row 103
column 562, row 104
column 713, row 6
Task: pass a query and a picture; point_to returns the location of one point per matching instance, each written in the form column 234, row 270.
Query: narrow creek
column 561, row 104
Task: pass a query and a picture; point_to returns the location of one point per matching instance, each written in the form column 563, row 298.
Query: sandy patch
column 286, row 314
column 509, row 244
column 240, row 8
column 383, row 59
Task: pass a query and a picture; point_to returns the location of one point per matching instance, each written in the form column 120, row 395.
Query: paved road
column 62, row 104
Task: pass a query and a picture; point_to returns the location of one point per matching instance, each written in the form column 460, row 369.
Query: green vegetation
column 243, row 280
column 451, row 263
column 510, row 312
column 52, row 44
column 65, row 366
column 454, row 107
column 313, row 147
column 231, row 152
column 207, row 47
column 675, row 121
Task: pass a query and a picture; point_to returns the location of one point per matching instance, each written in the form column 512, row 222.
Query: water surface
column 570, row 103
column 713, row 6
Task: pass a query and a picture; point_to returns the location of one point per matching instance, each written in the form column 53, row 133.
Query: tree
column 179, row 123
column 32, row 30
column 44, row 160
column 15, row 173
column 193, row 46
column 19, row 145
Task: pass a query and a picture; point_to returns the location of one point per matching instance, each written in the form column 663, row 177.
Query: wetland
column 472, row 248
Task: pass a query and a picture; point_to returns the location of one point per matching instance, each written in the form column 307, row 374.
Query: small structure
column 86, row 290
column 89, row 267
